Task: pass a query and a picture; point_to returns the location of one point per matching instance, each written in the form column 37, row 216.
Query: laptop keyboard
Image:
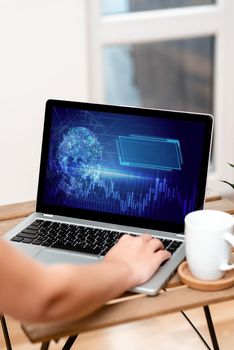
column 76, row 238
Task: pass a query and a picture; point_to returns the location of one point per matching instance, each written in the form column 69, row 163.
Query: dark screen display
column 118, row 164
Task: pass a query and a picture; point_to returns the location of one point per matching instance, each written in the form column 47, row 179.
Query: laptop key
column 30, row 230
column 61, row 245
column 17, row 239
column 43, row 230
column 27, row 240
column 46, row 224
column 37, row 241
column 173, row 247
column 36, row 223
column 77, row 248
column 27, row 235
column 176, row 244
column 33, row 228
column 167, row 243
column 47, row 243
column 87, row 249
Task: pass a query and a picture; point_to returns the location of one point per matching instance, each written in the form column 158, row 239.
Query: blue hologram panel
column 149, row 152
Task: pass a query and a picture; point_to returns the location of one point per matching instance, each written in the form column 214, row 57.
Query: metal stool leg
column 211, row 327
column 67, row 346
column 5, row 333
column 45, row 346
column 70, row 341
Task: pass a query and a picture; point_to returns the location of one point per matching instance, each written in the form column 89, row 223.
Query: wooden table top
column 130, row 307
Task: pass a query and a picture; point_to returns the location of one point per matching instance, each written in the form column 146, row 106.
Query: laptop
column 110, row 170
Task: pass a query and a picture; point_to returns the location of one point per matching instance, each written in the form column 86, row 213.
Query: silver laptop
column 110, row 170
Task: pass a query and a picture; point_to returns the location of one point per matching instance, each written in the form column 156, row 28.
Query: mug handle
column 229, row 237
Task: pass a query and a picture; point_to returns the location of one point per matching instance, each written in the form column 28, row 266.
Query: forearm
column 34, row 292
column 73, row 291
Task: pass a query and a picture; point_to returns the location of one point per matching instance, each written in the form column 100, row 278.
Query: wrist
column 123, row 273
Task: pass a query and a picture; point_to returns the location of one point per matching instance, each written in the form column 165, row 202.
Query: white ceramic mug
column 208, row 243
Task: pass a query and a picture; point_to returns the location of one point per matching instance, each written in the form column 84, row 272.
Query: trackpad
column 49, row 256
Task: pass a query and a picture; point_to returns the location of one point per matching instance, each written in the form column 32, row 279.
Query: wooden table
column 130, row 307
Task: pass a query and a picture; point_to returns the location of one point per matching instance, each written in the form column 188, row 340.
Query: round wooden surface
column 227, row 281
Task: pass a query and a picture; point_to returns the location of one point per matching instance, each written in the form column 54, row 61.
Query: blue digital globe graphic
column 79, row 156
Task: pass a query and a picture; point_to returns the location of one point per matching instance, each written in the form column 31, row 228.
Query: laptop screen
column 130, row 166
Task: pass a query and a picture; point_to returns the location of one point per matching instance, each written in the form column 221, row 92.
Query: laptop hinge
column 48, row 215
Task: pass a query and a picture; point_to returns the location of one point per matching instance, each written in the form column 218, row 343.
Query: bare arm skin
column 34, row 292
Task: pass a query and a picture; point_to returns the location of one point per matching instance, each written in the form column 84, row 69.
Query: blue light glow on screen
column 120, row 164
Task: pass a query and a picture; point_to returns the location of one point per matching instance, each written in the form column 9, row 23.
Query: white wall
column 43, row 54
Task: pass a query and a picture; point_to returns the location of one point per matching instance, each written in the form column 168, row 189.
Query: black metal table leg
column 196, row 330
column 45, row 346
column 211, row 327
column 70, row 341
column 67, row 346
column 5, row 333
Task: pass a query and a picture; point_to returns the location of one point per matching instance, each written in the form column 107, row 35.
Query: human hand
column 142, row 255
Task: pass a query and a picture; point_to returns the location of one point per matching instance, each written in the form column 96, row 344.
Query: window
column 167, row 54
column 176, row 74
column 121, row 6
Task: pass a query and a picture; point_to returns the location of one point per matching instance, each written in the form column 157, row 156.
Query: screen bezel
column 125, row 220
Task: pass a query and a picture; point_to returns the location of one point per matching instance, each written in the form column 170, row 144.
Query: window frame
column 168, row 24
